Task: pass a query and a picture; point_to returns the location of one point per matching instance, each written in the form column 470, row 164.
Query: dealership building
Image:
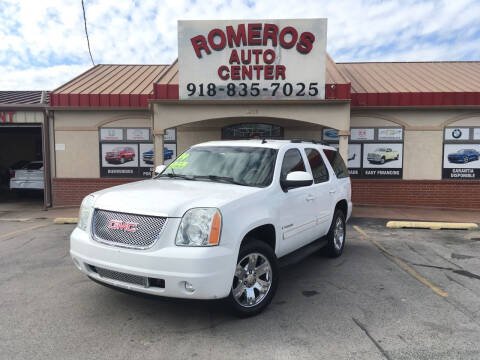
column 410, row 131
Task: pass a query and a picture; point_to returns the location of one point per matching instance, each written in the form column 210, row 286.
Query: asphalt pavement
column 394, row 294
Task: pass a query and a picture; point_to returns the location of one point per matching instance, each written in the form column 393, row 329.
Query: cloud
column 43, row 42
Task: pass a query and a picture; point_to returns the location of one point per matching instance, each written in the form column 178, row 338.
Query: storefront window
column 129, row 152
column 252, row 131
column 372, row 152
column 461, row 153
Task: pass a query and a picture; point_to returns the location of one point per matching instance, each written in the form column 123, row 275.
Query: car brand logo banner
column 124, row 226
column 254, row 59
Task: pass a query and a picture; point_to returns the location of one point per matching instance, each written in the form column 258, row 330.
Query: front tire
column 336, row 235
column 382, row 160
column 256, row 279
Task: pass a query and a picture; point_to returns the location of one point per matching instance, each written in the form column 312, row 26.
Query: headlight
column 85, row 211
column 200, row 227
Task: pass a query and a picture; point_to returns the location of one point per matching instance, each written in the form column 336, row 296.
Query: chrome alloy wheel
column 338, row 234
column 252, row 280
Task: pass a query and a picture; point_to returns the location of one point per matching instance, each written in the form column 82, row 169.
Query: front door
column 296, row 208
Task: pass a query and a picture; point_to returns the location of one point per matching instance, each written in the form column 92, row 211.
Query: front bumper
column 209, row 270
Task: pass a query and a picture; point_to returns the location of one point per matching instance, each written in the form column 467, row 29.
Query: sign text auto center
column 256, row 59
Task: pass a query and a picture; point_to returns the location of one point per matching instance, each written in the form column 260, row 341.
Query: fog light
column 189, row 287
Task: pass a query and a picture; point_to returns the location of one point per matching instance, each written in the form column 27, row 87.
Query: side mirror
column 159, row 169
column 297, row 179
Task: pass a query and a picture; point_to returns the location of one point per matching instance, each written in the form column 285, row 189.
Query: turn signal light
column 214, row 237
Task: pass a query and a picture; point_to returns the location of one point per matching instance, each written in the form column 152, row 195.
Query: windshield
column 250, row 166
column 380, row 149
column 117, row 149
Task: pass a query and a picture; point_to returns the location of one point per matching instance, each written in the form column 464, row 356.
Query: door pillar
column 343, row 144
column 158, row 147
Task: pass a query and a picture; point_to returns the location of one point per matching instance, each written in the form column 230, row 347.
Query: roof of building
column 114, row 79
column 400, row 77
column 110, row 85
column 10, row 98
column 372, row 84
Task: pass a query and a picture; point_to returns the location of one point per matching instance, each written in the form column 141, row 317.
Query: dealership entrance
column 21, row 163
column 24, row 149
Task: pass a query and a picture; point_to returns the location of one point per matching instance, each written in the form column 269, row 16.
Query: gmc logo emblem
column 120, row 225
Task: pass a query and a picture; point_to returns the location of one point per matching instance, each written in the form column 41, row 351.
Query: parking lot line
column 22, row 230
column 402, row 264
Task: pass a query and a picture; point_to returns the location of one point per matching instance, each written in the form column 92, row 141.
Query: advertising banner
column 476, row 134
column 382, row 160
column 330, row 135
column 390, row 134
column 354, row 161
column 461, row 161
column 457, row 134
column 119, row 160
column 146, row 160
column 138, row 134
column 362, row 134
column 252, row 59
column 107, row 134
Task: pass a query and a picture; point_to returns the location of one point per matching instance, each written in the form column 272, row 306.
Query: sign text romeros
column 255, row 59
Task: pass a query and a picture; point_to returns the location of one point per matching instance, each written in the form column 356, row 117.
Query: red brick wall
column 431, row 193
column 441, row 193
column 70, row 192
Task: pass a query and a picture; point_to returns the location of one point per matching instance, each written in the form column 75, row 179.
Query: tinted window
column 292, row 161
column 319, row 169
column 337, row 163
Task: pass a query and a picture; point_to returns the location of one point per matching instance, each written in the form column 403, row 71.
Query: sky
column 43, row 43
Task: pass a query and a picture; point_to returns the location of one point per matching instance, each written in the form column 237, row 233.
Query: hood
column 169, row 197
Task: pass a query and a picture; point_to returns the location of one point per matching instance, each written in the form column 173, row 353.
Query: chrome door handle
column 332, row 191
column 310, row 198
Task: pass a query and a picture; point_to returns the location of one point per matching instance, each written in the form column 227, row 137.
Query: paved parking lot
column 394, row 294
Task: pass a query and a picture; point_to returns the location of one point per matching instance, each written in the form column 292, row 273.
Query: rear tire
column 336, row 236
column 256, row 279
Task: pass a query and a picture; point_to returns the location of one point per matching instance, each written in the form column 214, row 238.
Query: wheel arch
column 265, row 233
column 342, row 205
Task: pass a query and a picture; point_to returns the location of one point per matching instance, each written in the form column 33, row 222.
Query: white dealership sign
column 390, row 134
column 252, row 59
column 362, row 134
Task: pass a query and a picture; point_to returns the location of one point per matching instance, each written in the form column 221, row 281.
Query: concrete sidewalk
column 416, row 213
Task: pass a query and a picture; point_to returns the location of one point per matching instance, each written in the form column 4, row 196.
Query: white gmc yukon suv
column 217, row 222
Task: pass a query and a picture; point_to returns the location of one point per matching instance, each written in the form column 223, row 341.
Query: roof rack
column 313, row 141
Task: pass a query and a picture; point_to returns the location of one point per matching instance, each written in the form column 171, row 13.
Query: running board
column 300, row 254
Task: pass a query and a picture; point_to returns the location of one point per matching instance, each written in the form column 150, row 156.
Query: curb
column 65, row 220
column 431, row 225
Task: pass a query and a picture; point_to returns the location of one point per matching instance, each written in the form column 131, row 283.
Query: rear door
column 321, row 188
column 296, row 207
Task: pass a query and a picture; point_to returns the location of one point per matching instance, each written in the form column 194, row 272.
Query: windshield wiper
column 217, row 178
column 172, row 175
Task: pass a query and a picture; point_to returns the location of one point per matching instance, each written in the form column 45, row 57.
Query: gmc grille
column 145, row 233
